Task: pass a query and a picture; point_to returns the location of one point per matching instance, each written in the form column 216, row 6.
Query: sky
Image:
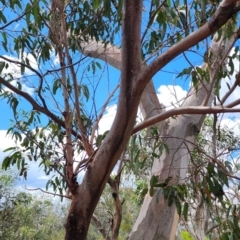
column 170, row 93
column 170, row 90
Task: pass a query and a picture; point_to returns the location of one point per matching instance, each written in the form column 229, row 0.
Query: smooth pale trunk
column 156, row 220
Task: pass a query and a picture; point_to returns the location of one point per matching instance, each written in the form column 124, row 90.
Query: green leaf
column 144, row 192
column 96, row 3
column 170, row 201
column 2, row 65
column 6, row 163
column 151, row 191
column 153, row 181
column 28, row 7
column 9, row 149
column 2, row 17
column 98, row 65
column 185, row 211
column 56, row 86
column 85, row 91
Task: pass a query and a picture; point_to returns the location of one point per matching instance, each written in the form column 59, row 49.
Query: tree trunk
column 99, row 169
column 156, row 220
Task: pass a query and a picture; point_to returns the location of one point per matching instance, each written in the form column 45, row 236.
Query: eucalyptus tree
column 139, row 38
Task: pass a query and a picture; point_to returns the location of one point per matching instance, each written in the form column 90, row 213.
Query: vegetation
column 54, row 74
column 26, row 216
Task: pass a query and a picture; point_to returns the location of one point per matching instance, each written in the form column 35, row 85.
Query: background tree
column 56, row 127
column 23, row 216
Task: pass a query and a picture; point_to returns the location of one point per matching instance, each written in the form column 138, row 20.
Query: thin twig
column 54, row 194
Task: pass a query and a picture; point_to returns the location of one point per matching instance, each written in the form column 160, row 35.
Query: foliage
column 212, row 178
column 52, row 85
column 186, row 236
column 26, row 216
column 105, row 212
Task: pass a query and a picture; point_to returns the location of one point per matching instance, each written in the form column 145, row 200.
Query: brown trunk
column 98, row 171
column 77, row 224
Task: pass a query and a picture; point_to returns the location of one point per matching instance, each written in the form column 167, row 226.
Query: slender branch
column 100, row 228
column 236, row 83
column 33, row 70
column 217, row 64
column 211, row 228
column 36, row 106
column 19, row 17
column 88, row 148
column 180, row 111
column 59, row 35
column 151, row 18
column 233, row 104
column 54, row 194
column 101, row 114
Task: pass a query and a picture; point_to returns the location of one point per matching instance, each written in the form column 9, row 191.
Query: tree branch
column 184, row 110
column 36, row 106
column 95, row 126
column 236, row 83
column 33, row 70
column 100, row 228
column 54, row 194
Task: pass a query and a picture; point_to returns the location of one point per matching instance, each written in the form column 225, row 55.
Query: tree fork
column 86, row 198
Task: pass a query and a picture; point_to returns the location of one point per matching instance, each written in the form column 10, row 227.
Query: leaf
column 185, row 211
column 85, row 91
column 195, row 80
column 96, row 4
column 144, row 192
column 170, row 201
column 2, row 17
column 98, row 65
column 9, row 149
column 179, row 207
column 231, row 65
column 6, row 163
column 151, row 192
column 28, row 7
column 2, row 65
column 166, row 148
column 56, row 85
column 155, row 155
column 153, row 181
